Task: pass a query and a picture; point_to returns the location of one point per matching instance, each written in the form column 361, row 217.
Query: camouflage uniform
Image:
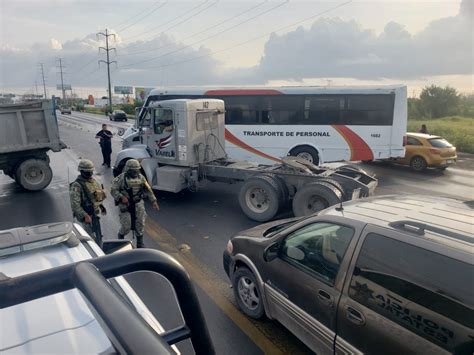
column 134, row 189
column 80, row 197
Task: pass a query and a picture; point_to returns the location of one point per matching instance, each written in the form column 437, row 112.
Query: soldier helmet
column 132, row 164
column 85, row 165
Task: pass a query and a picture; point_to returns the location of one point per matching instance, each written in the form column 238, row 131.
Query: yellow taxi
column 426, row 150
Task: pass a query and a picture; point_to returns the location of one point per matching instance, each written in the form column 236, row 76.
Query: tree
column 436, row 101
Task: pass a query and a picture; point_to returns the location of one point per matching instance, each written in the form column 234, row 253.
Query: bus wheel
column 259, row 198
column 315, row 197
column 306, row 152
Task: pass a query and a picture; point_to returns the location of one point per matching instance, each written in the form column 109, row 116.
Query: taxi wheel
column 418, row 163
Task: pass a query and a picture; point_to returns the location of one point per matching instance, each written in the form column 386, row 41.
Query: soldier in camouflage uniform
column 86, row 200
column 128, row 190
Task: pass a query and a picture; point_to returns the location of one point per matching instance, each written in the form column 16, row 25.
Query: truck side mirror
column 271, row 252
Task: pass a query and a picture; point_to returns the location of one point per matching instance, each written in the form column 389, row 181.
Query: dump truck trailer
column 27, row 132
column 180, row 145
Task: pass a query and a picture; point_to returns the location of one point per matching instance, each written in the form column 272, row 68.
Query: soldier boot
column 140, row 241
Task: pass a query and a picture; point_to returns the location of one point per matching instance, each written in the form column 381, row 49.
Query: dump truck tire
column 315, row 197
column 259, row 198
column 34, row 174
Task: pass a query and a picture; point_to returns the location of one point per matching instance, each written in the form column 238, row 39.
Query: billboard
column 124, row 90
column 65, row 86
column 141, row 93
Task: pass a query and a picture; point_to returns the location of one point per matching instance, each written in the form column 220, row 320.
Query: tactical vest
column 136, row 185
column 91, row 193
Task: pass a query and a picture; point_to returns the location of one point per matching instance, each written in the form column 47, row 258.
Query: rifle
column 90, row 210
column 132, row 208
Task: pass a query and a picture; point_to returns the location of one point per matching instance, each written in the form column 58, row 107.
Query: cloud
column 337, row 48
column 330, row 48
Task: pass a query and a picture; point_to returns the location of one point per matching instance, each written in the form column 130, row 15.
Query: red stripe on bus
column 359, row 149
column 243, row 92
column 236, row 141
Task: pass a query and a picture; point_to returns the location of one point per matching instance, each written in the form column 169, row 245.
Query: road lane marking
column 208, row 282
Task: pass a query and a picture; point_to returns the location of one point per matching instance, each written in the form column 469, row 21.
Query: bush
column 128, row 108
column 459, row 131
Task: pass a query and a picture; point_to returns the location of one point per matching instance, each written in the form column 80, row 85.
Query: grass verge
column 459, row 131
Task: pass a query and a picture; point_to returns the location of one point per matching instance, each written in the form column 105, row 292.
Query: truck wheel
column 259, row 198
column 315, row 197
column 334, row 183
column 247, row 293
column 283, row 189
column 306, row 152
column 34, row 174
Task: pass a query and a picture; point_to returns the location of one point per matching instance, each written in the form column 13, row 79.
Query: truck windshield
column 163, row 120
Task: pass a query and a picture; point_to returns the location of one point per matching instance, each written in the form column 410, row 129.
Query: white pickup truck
column 55, row 297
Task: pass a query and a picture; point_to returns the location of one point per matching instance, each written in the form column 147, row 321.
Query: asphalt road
column 194, row 228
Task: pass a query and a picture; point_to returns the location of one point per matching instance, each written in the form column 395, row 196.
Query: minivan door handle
column 325, row 297
column 355, row 316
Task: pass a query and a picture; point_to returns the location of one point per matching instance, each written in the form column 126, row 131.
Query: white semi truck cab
column 180, row 143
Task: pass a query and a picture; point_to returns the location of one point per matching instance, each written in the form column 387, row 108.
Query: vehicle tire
column 283, row 190
column 259, row 198
column 34, row 174
column 334, row 183
column 126, row 119
column 247, row 294
column 306, row 152
column 315, row 197
column 418, row 163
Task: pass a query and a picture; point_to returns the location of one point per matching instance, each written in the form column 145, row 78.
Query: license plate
column 449, row 161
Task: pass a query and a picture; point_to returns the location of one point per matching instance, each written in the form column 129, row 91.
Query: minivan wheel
column 247, row 293
column 418, row 163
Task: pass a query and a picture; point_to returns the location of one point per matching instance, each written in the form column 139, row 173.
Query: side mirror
column 137, row 112
column 271, row 252
column 116, row 246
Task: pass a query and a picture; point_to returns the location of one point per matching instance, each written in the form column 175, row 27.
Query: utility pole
column 108, row 62
column 42, row 75
column 62, row 81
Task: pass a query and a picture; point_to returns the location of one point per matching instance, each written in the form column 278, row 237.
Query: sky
column 223, row 42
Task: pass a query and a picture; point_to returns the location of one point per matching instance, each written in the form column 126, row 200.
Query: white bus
column 320, row 124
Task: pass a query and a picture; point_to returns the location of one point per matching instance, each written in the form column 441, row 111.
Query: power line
column 253, row 39
column 85, row 65
column 108, row 62
column 163, row 24
column 198, row 33
column 138, row 14
column 209, row 37
column 146, row 15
